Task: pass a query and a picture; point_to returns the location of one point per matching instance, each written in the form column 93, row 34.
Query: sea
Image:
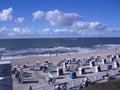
column 24, row 47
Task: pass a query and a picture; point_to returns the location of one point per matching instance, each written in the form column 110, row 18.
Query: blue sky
column 59, row 18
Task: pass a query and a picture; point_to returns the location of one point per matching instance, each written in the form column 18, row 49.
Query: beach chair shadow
column 26, row 74
column 87, row 68
column 60, row 77
column 89, row 72
column 54, row 71
column 80, row 76
column 28, row 82
column 104, row 70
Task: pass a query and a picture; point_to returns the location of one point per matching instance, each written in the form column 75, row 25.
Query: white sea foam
column 107, row 46
column 2, row 49
column 13, row 54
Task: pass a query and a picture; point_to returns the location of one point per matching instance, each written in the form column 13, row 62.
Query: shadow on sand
column 27, row 82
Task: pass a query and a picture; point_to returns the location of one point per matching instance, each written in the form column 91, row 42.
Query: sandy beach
column 56, row 59
column 38, row 82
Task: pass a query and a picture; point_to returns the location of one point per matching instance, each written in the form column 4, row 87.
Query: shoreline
column 58, row 57
column 53, row 52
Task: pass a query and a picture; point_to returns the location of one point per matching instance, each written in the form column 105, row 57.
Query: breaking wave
column 6, row 53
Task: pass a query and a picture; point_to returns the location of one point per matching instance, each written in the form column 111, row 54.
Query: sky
column 59, row 18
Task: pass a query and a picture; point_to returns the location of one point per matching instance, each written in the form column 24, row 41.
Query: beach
column 37, row 82
column 49, row 46
column 55, row 59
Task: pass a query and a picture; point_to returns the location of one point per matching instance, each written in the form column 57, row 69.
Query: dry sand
column 55, row 60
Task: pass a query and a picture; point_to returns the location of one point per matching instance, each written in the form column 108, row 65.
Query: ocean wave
column 12, row 53
column 43, row 51
column 106, row 46
column 2, row 49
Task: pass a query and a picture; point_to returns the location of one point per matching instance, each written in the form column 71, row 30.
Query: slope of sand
column 55, row 60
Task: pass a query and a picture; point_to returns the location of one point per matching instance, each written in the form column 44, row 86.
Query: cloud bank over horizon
column 66, row 24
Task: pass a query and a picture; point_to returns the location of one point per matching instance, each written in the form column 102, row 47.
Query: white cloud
column 16, row 31
column 20, row 19
column 113, row 29
column 81, row 25
column 89, row 26
column 59, row 18
column 64, row 30
column 20, row 31
column 3, row 31
column 6, row 14
column 97, row 26
column 45, row 31
column 37, row 15
column 87, row 29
